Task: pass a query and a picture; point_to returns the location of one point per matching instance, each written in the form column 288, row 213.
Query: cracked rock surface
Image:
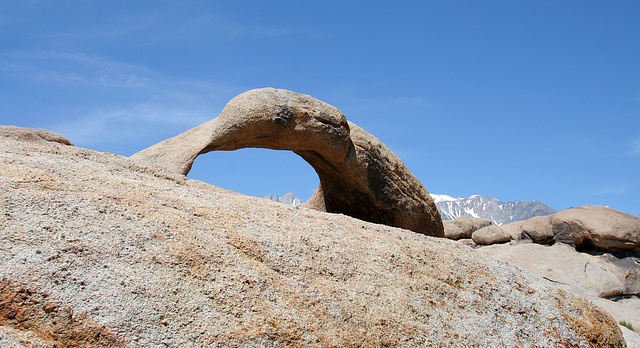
column 609, row 279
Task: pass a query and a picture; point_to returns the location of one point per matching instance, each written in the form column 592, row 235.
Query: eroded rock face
column 611, row 281
column 139, row 256
column 359, row 175
column 597, row 227
column 538, row 229
column 514, row 229
column 28, row 317
column 32, row 134
column 588, row 227
column 463, row 227
column 490, row 235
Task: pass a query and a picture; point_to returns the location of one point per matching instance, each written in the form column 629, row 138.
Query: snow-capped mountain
column 498, row 212
column 287, row 198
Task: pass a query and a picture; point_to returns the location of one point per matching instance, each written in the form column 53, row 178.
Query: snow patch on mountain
column 450, row 208
column 498, row 212
column 443, row 198
column 287, row 198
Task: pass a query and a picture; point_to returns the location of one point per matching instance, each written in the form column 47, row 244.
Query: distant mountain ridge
column 287, row 198
column 498, row 212
column 450, row 208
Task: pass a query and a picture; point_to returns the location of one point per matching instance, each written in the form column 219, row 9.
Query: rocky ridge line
column 288, row 198
column 498, row 212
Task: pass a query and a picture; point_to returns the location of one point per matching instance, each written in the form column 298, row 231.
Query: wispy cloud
column 352, row 99
column 166, row 28
column 418, row 102
column 116, row 28
column 210, row 26
column 609, row 190
column 73, row 68
column 115, row 102
column 124, row 127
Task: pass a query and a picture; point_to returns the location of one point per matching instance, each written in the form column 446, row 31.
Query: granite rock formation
column 591, row 251
column 463, row 227
column 32, row 135
column 588, row 227
column 538, row 229
column 490, row 235
column 597, row 227
column 133, row 255
column 610, row 280
column 359, row 175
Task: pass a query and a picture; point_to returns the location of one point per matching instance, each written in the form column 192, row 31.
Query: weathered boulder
column 463, row 227
column 127, row 254
column 514, row 229
column 588, row 227
column 490, row 235
column 32, row 134
column 452, row 230
column 597, row 227
column 359, row 175
column 538, row 229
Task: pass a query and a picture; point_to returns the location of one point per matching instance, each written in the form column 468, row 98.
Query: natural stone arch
column 359, row 176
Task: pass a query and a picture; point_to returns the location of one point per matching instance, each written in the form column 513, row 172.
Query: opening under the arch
column 257, row 172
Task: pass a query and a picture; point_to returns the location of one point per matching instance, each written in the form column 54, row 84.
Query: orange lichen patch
column 589, row 321
column 27, row 310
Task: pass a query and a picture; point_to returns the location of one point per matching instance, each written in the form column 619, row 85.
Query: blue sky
column 510, row 99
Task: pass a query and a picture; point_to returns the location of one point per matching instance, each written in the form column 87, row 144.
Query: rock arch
column 359, row 176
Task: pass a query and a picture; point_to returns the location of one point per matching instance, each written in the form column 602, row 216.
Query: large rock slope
column 97, row 251
column 611, row 281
